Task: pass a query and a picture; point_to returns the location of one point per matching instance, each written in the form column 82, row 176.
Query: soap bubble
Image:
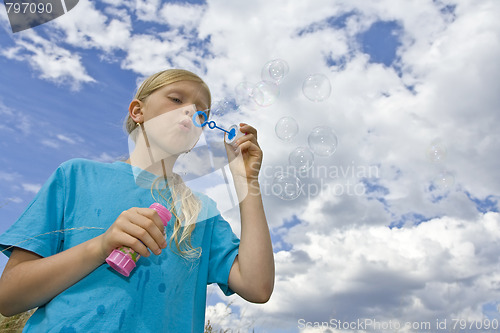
column 222, row 107
column 244, row 95
column 444, row 180
column 286, row 186
column 265, row 93
column 286, row 128
column 316, row 87
column 301, row 159
column 323, row 141
column 274, row 70
column 436, row 152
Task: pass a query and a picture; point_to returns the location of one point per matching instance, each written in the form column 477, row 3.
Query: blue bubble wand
column 211, row 124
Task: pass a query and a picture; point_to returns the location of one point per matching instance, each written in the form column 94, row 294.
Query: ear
column 135, row 111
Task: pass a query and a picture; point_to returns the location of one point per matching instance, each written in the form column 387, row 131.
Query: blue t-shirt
column 165, row 293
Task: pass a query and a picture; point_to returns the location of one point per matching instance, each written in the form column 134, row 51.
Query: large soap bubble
column 323, row 141
column 274, row 70
column 286, row 186
column 223, row 107
column 244, row 95
column 301, row 159
column 286, row 128
column 265, row 93
column 316, row 87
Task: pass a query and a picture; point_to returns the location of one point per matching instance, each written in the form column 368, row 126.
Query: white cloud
column 147, row 54
column 65, row 139
column 14, row 121
column 87, row 27
column 50, row 143
column 181, row 16
column 440, row 268
column 53, row 63
column 221, row 318
column 9, row 176
column 105, row 158
column 33, row 188
column 370, row 269
column 344, row 261
column 147, row 10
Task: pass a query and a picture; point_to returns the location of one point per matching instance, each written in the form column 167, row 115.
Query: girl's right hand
column 138, row 228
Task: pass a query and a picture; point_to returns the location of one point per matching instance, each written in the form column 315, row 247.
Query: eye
column 175, row 100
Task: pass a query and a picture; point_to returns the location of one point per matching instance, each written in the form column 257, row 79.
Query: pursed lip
column 186, row 124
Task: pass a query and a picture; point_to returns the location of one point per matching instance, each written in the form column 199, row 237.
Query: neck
column 151, row 159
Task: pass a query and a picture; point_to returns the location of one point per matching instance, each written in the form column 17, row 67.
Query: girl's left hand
column 249, row 162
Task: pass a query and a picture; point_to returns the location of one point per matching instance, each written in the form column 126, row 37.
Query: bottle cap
column 121, row 262
column 234, row 134
column 163, row 212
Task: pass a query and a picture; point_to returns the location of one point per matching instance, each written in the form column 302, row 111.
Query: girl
column 63, row 273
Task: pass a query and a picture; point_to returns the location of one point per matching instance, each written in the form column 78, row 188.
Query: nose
column 190, row 110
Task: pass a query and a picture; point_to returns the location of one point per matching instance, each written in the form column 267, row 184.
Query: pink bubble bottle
column 123, row 259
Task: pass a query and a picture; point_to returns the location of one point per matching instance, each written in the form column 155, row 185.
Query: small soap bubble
column 436, row 152
column 244, row 95
column 286, row 128
column 286, row 186
column 444, row 180
column 323, row 141
column 316, row 87
column 265, row 93
column 274, row 70
column 301, row 159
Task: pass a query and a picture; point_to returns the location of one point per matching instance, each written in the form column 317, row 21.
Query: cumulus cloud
column 87, row 27
column 434, row 270
column 416, row 239
column 51, row 62
column 384, row 116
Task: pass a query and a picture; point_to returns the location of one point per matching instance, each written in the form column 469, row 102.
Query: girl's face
column 168, row 117
column 175, row 96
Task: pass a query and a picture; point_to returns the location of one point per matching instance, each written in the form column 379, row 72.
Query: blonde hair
column 181, row 196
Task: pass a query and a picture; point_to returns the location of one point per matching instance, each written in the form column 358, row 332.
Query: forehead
column 191, row 89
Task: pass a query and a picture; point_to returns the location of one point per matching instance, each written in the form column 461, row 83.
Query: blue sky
column 414, row 97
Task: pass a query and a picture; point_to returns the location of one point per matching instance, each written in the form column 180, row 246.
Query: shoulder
column 88, row 171
column 82, row 164
column 76, row 163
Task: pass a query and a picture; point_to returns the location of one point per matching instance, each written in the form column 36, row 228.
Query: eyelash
column 177, row 100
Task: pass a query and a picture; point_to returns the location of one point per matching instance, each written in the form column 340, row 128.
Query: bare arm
column 29, row 280
column 252, row 273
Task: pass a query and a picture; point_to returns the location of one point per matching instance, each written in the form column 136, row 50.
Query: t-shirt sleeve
column 38, row 229
column 223, row 250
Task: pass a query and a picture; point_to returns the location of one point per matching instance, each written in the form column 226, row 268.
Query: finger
column 248, row 137
column 149, row 226
column 135, row 244
column 247, row 129
column 153, row 215
column 251, row 149
column 143, row 236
